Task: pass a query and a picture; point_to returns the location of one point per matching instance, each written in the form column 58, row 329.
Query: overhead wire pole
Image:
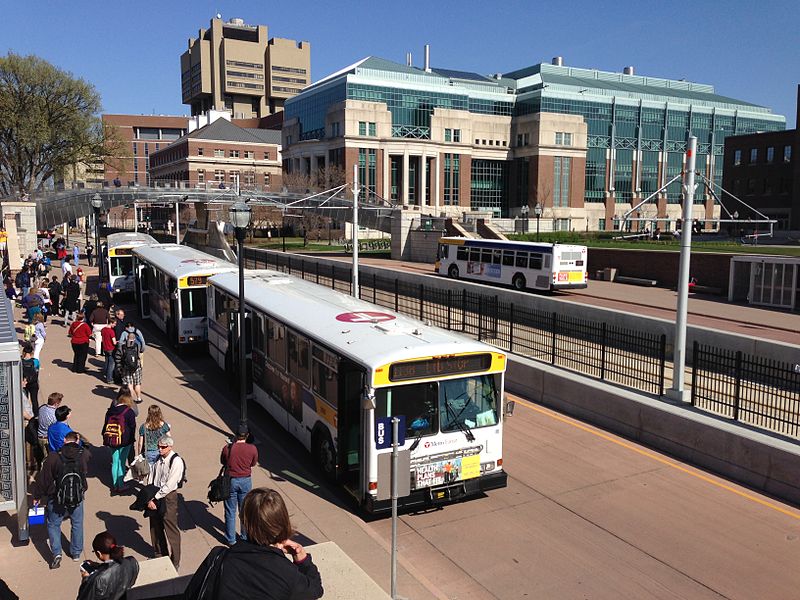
column 677, row 392
column 355, row 231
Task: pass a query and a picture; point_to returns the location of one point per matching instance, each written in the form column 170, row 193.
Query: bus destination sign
column 121, row 251
column 193, row 280
column 439, row 366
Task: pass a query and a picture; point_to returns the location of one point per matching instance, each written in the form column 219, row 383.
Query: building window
column 219, row 153
column 234, row 154
column 199, row 152
column 561, row 176
column 753, row 156
column 448, row 135
column 367, row 172
column 201, row 176
column 601, row 224
column 372, row 129
column 456, row 135
column 249, row 178
column 266, row 179
column 233, row 176
column 219, row 175
column 737, row 157
column 770, row 154
column 451, row 179
column 563, row 138
column 250, row 154
column 751, row 186
column 288, row 140
column 787, row 154
column 336, row 129
column 362, row 128
column 266, row 155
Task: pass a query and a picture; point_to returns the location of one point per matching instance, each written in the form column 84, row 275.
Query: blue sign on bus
column 383, row 432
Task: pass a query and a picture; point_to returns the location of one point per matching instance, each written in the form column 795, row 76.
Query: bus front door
column 143, row 292
column 352, row 380
column 232, row 355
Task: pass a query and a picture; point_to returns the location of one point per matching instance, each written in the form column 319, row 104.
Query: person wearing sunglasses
column 168, row 475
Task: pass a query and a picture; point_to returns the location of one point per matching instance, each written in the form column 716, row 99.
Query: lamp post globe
column 537, row 211
column 240, row 214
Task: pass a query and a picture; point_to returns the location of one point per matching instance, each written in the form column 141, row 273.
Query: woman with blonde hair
column 152, row 430
column 257, row 567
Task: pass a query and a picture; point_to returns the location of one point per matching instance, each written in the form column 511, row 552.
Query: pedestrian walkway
column 201, row 416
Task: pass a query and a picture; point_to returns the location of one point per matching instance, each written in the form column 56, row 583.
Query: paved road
column 586, row 514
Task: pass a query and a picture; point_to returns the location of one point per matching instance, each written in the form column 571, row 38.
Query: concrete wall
column 764, row 462
column 24, row 216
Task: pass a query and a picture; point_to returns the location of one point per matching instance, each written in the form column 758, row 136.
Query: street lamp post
column 240, row 218
column 537, row 211
column 97, row 204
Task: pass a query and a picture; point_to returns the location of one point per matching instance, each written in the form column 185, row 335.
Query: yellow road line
column 651, row 455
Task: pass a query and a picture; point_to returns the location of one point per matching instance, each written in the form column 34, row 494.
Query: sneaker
column 56, row 562
column 138, row 401
column 77, row 558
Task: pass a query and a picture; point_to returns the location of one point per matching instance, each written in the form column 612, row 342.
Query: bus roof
column 182, row 261
column 366, row 333
column 543, row 247
column 130, row 239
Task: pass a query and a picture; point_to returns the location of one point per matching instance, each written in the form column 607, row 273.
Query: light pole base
column 679, row 396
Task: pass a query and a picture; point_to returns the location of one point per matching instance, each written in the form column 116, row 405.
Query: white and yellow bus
column 171, row 282
column 332, row 370
column 522, row 265
column 119, row 259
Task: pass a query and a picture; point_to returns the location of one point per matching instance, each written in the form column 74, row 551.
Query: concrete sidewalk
column 195, row 403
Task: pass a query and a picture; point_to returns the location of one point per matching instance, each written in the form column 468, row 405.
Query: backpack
column 29, row 334
column 130, row 354
column 69, row 484
column 183, row 475
column 29, row 372
column 114, row 429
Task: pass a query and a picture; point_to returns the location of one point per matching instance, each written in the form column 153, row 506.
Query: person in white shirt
column 167, row 474
column 66, row 268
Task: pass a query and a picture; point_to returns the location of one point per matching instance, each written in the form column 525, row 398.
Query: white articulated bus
column 522, row 265
column 171, row 282
column 333, row 370
column 119, row 259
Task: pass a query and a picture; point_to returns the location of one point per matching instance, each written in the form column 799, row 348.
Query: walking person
column 130, row 347
column 167, row 475
column 98, row 320
column 66, row 268
column 112, row 575
column 119, row 432
column 54, row 287
column 152, row 430
column 108, row 342
column 58, row 430
column 239, row 458
column 39, row 334
column 257, row 567
column 90, row 254
column 76, row 254
column 80, row 333
column 62, row 481
column 47, row 416
column 72, row 298
column 30, row 375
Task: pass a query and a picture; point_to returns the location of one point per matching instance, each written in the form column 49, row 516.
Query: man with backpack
column 168, row 475
column 62, row 481
column 130, row 346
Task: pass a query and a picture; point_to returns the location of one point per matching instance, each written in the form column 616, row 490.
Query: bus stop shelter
column 13, row 476
column 765, row 281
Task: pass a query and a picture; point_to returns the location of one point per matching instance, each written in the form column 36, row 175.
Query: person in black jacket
column 256, row 567
column 112, row 576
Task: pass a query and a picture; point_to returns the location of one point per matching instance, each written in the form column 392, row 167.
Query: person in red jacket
column 80, row 333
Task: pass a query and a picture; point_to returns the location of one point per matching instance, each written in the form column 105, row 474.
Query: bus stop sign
column 383, row 432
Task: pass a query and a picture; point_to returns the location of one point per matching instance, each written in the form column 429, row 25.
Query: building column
column 313, row 164
column 435, row 169
column 423, row 180
column 387, row 173
column 404, row 195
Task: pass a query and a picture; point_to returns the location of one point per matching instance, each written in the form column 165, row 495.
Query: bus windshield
column 452, row 405
column 193, row 303
column 121, row 266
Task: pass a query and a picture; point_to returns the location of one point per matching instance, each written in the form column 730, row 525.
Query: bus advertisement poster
column 447, row 471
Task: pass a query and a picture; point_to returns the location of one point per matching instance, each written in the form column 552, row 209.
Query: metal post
column 677, row 391
column 538, row 216
column 177, row 222
column 395, row 435
column 240, row 232
column 135, row 218
column 283, row 229
column 355, row 230
column 98, row 253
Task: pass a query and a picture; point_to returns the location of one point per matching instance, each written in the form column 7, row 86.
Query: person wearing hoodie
column 70, row 458
column 119, row 431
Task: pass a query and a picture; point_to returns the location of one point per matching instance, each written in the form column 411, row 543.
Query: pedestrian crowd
column 139, row 455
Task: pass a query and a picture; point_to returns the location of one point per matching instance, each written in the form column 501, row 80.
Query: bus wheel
column 518, row 282
column 452, row 272
column 325, row 454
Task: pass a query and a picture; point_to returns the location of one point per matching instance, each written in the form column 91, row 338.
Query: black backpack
column 69, row 484
column 183, row 475
column 29, row 372
column 130, row 353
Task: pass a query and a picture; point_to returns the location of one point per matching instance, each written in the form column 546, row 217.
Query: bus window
column 298, row 357
column 444, row 250
column 462, row 253
column 121, row 266
column 220, row 314
column 486, row 255
column 536, row 261
column 508, row 258
column 193, row 303
column 547, row 261
column 474, row 255
column 522, row 260
column 326, row 382
column 276, row 343
column 257, row 323
column 496, row 255
column 468, row 402
column 418, row 402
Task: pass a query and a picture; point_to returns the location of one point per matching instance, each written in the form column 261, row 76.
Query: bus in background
column 171, row 282
column 522, row 265
column 334, row 370
column 119, row 259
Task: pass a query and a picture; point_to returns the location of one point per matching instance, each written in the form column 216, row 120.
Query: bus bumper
column 442, row 494
column 570, row 286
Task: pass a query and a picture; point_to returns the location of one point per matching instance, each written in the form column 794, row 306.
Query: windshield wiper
column 456, row 419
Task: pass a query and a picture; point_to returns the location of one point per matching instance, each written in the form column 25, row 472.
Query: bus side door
column 352, row 379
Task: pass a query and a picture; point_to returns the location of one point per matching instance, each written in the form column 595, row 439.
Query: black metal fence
column 626, row 357
column 757, row 391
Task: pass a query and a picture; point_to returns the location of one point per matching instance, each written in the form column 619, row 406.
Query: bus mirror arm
column 368, row 399
column 508, row 411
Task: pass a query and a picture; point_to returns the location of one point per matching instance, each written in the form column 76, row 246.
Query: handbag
column 32, row 431
column 219, row 489
column 140, row 467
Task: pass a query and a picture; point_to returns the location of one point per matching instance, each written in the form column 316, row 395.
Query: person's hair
column 125, row 399
column 27, row 348
column 166, row 440
column 55, row 398
column 93, row 297
column 154, row 417
column 72, row 436
column 106, row 543
column 55, row 277
column 38, row 318
column 265, row 518
column 129, row 324
column 112, row 320
column 62, row 412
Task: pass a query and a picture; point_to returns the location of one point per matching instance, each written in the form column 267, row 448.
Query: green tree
column 49, row 121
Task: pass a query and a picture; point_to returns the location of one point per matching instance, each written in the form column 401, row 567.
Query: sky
column 131, row 50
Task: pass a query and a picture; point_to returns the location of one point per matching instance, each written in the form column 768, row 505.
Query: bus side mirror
column 508, row 411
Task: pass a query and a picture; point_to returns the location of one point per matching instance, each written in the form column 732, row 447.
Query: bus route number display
column 193, row 280
column 439, row 366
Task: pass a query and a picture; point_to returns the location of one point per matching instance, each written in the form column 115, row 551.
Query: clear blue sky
column 130, row 50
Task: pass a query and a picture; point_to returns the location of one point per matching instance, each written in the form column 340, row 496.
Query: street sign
column 383, row 432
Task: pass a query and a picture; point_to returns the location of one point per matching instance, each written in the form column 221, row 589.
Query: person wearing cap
column 239, row 458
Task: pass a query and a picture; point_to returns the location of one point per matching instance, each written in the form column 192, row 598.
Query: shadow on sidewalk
column 126, row 529
column 186, row 413
column 197, row 513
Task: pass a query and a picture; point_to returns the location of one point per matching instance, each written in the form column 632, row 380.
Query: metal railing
column 628, row 358
column 756, row 391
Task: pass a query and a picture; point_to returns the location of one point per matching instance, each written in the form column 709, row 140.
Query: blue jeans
column 239, row 488
column 55, row 514
column 109, row 368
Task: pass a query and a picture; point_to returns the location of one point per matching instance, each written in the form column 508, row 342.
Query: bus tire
column 452, row 272
column 324, row 453
column 518, row 282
